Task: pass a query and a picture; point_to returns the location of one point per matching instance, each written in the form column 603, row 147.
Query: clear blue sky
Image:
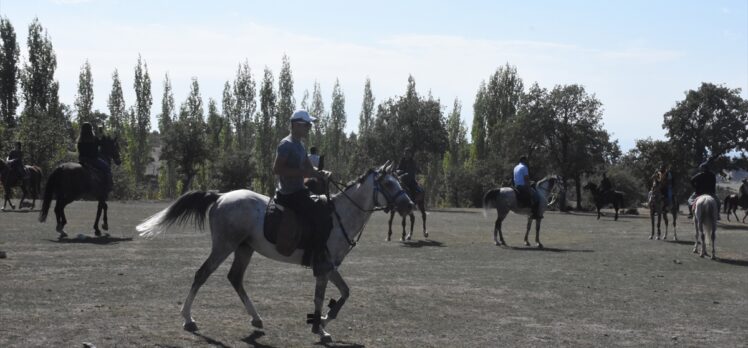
column 637, row 57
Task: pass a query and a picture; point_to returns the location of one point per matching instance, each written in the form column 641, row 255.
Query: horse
column 658, row 205
column 72, row 181
column 705, row 212
column 10, row 179
column 237, row 220
column 505, row 199
column 419, row 198
column 614, row 198
column 733, row 201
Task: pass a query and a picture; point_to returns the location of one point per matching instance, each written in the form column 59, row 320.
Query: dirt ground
column 596, row 284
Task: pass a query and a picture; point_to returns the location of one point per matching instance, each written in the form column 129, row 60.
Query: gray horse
column 505, row 199
column 705, row 213
column 236, row 224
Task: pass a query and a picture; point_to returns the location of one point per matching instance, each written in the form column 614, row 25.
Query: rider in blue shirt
column 527, row 196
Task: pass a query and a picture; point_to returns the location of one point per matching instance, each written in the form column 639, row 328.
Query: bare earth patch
column 596, row 284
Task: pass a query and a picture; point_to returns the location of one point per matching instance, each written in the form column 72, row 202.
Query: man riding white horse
column 292, row 165
column 527, row 196
column 704, row 183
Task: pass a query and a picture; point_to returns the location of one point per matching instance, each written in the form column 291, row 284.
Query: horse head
column 387, row 184
column 110, row 149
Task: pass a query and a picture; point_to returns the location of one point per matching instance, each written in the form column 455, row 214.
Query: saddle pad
column 282, row 229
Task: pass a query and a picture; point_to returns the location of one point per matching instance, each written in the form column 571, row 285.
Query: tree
column 84, row 98
column 43, row 116
column 710, row 121
column 336, row 138
column 478, row 130
column 142, row 120
column 186, row 143
column 286, row 102
column 245, row 106
column 318, row 110
column 456, row 179
column 228, row 111
column 577, row 144
column 117, row 109
column 166, row 119
column 265, row 148
column 9, row 73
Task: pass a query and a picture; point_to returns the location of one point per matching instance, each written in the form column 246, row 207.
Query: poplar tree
column 244, row 97
column 167, row 171
column 286, row 102
column 317, row 110
column 9, row 73
column 84, row 98
column 117, row 109
column 265, row 148
column 336, row 137
column 142, row 120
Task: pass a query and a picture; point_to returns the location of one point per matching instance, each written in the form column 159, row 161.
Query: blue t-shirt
column 295, row 155
column 520, row 171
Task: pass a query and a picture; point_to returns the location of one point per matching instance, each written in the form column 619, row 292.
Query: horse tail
column 190, row 206
column 489, row 200
column 49, row 190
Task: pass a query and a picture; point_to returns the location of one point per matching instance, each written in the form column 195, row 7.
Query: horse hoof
column 257, row 323
column 387, row 239
column 408, row 237
column 63, row 235
column 105, row 227
column 191, row 326
column 97, row 233
column 714, row 257
column 326, row 338
column 527, row 244
column 425, row 234
column 650, row 237
column 540, row 246
column 497, row 243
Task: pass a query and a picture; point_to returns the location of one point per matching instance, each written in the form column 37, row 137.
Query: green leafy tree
column 711, row 121
column 43, row 116
column 336, row 138
column 9, row 73
column 166, row 119
column 245, row 106
column 85, row 97
column 228, row 110
column 141, row 124
column 265, row 148
column 456, row 177
column 117, row 108
column 318, row 110
column 286, row 103
column 186, row 144
column 478, row 130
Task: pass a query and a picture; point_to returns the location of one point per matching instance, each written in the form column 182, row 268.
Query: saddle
column 287, row 229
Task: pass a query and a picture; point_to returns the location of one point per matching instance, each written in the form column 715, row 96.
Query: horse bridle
column 377, row 189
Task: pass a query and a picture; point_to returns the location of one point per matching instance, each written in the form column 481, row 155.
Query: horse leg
column 527, row 232
column 735, row 212
column 412, row 224
column 336, row 305
column 7, row 195
column 316, row 318
column 659, row 225
column 714, row 239
column 667, row 224
column 616, row 208
column 652, row 219
column 217, row 256
column 402, row 237
column 696, row 239
column 242, row 256
column 537, row 234
column 703, row 240
column 598, row 212
column 389, row 232
column 497, row 230
column 99, row 208
column 744, row 216
column 105, row 225
column 60, row 217
column 675, row 228
column 422, row 207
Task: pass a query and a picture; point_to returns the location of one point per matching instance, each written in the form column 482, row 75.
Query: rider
column 527, row 196
column 408, row 166
column 605, row 185
column 88, row 154
column 292, row 165
column 704, row 182
column 15, row 162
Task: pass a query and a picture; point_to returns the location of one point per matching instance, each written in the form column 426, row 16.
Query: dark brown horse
column 10, row 179
column 602, row 199
column 732, row 202
column 419, row 198
column 72, row 181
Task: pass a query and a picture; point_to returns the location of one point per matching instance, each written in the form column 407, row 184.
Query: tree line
column 203, row 145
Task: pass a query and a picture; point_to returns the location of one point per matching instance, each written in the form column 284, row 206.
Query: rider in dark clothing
column 15, row 161
column 408, row 166
column 88, row 154
column 605, row 185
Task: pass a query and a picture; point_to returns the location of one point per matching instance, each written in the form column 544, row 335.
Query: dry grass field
column 596, row 284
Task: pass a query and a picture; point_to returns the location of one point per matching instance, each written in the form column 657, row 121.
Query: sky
column 637, row 57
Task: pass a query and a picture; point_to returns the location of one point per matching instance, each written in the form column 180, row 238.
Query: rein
column 377, row 207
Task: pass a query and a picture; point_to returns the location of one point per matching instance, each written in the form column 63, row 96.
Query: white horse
column 504, row 199
column 236, row 225
column 705, row 213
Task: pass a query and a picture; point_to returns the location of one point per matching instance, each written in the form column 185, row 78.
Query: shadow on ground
column 91, row 240
column 553, row 250
column 421, row 243
column 252, row 340
column 681, row 242
column 743, row 263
